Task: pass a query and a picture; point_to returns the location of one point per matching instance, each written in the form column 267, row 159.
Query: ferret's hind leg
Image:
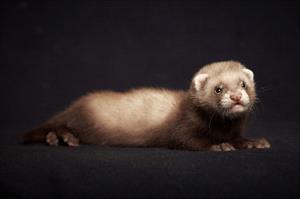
column 52, row 139
column 62, row 135
column 70, row 139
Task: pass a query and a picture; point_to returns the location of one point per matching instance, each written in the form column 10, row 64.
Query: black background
column 52, row 52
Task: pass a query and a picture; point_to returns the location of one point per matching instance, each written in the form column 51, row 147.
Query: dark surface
column 53, row 52
column 103, row 172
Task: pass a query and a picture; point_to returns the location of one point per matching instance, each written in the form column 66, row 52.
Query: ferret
column 210, row 115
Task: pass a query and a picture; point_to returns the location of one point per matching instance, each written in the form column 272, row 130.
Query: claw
column 225, row 146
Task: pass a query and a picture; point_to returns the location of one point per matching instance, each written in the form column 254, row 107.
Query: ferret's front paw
column 225, row 146
column 260, row 143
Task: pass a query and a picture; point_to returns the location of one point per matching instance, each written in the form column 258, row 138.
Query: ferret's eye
column 218, row 90
column 243, row 84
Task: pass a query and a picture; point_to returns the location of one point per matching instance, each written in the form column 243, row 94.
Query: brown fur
column 151, row 117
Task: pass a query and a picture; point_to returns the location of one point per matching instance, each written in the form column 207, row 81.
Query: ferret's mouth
column 237, row 108
column 234, row 108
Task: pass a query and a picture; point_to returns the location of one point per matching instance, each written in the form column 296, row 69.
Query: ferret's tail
column 35, row 135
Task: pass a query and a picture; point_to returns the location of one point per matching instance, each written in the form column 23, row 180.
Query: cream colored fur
column 134, row 112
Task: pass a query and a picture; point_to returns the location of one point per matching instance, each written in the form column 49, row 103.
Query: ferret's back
column 134, row 111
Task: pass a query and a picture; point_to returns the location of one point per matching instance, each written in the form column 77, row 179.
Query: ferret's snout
column 236, row 96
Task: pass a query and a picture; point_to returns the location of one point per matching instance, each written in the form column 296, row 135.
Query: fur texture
column 210, row 115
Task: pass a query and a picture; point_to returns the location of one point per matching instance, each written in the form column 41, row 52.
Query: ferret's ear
column 249, row 73
column 199, row 81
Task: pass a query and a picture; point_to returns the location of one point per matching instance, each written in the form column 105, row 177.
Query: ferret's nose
column 236, row 96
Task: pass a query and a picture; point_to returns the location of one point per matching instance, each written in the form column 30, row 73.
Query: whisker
column 211, row 118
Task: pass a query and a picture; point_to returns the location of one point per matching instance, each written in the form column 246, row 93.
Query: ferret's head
column 227, row 88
